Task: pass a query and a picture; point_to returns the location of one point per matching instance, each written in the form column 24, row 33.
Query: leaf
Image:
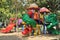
column 3, row 0
column 19, row 15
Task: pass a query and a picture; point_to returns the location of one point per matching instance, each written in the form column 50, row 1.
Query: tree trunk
column 16, row 5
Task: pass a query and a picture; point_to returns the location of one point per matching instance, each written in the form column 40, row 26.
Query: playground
column 29, row 20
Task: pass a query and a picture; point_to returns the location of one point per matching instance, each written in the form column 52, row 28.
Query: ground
column 18, row 36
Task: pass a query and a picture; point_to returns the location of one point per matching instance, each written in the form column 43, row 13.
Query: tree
column 53, row 5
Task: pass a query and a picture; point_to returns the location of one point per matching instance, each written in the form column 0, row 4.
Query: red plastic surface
column 8, row 28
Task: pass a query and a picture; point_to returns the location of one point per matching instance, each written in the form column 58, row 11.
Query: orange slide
column 8, row 28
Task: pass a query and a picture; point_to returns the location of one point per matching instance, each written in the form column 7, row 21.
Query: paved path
column 12, row 37
column 18, row 36
column 9, row 36
column 42, row 37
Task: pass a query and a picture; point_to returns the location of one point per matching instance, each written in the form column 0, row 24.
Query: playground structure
column 9, row 27
column 32, row 21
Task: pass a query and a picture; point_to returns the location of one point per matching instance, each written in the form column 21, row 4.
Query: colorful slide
column 8, row 28
column 27, row 30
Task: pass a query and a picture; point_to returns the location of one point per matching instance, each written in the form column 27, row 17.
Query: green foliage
column 19, row 15
column 12, row 7
column 53, row 5
column 4, row 9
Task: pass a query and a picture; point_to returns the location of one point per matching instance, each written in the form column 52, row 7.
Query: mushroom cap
column 33, row 6
column 43, row 9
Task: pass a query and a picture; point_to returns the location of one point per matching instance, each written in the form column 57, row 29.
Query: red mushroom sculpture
column 44, row 11
column 33, row 6
column 31, row 9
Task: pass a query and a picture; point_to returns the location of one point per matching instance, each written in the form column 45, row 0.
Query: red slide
column 27, row 31
column 8, row 28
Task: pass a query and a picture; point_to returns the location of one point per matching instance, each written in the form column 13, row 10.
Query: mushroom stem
column 44, row 30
